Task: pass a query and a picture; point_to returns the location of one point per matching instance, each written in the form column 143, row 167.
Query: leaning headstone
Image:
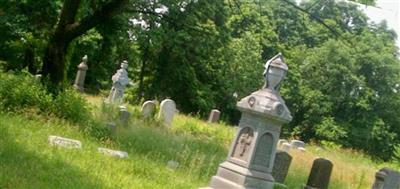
column 120, row 81
column 167, row 111
column 320, row 174
column 80, row 76
column 113, row 153
column 297, row 144
column 387, row 178
column 148, row 108
column 124, row 114
column 64, row 142
column 281, row 166
column 286, row 147
column 214, row 116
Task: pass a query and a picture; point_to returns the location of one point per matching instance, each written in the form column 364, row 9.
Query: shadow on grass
column 20, row 168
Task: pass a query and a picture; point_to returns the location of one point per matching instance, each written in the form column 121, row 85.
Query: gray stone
column 281, row 141
column 286, row 147
column 120, row 81
column 124, row 115
column 111, row 125
column 320, row 174
column 167, row 111
column 148, row 109
column 301, row 149
column 387, row 178
column 252, row 154
column 297, row 144
column 80, row 76
column 281, row 166
column 64, row 142
column 113, row 153
column 214, row 116
column 172, row 164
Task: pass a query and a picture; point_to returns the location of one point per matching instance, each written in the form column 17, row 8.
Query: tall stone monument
column 80, row 76
column 251, row 157
column 120, row 81
column 387, row 178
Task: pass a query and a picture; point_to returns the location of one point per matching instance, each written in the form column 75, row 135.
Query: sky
column 388, row 10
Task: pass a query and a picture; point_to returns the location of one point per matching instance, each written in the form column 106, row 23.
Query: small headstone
column 301, row 149
column 172, row 164
column 111, row 125
column 297, row 144
column 167, row 111
column 113, row 153
column 120, row 81
column 80, row 76
column 124, row 114
column 387, row 178
column 148, row 109
column 281, row 141
column 286, row 147
column 64, row 142
column 281, row 166
column 214, row 116
column 320, row 174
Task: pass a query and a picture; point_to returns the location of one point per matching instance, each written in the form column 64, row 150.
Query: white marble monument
column 167, row 111
column 120, row 81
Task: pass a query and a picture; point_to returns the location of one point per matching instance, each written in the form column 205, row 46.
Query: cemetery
column 154, row 106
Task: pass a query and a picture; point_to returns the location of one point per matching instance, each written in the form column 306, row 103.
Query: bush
column 22, row 92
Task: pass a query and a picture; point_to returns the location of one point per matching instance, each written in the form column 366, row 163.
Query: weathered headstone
column 320, row 174
column 124, row 114
column 113, row 153
column 297, row 144
column 387, row 178
column 148, row 109
column 286, row 147
column 120, row 81
column 301, row 149
column 80, row 76
column 111, row 125
column 214, row 116
column 281, row 141
column 172, row 164
column 64, row 142
column 167, row 111
column 281, row 166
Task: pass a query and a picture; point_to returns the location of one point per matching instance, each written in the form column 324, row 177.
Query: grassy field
column 27, row 160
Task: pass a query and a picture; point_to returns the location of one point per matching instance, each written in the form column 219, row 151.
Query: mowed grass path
column 27, row 160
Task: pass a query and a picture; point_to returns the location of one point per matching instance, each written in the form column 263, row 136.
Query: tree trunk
column 54, row 61
column 68, row 29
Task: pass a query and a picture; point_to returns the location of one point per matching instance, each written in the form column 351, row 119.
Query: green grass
column 28, row 161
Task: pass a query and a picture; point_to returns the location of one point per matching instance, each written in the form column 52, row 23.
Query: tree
column 67, row 29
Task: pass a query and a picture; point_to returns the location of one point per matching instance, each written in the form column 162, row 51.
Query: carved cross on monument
column 245, row 141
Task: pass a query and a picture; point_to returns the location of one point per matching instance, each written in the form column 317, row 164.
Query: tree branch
column 107, row 11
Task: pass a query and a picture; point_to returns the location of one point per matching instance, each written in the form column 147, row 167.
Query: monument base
column 232, row 176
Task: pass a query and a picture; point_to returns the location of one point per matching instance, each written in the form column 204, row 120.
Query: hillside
column 28, row 161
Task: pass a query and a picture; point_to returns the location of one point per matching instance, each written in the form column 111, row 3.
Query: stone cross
column 281, row 166
column 214, row 116
column 167, row 111
column 387, row 178
column 120, row 81
column 320, row 174
column 80, row 76
column 148, row 109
